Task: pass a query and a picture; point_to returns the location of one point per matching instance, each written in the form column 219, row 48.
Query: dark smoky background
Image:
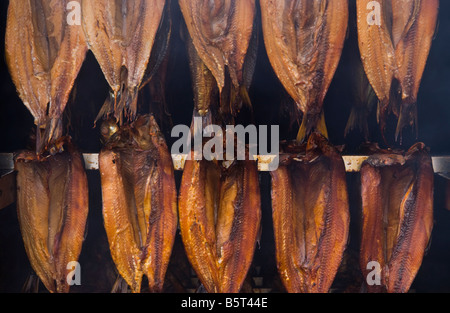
column 271, row 106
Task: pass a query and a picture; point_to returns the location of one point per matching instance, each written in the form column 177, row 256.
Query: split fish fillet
column 395, row 40
column 139, row 200
column 121, row 35
column 221, row 31
column 44, row 55
column 203, row 83
column 304, row 41
column 219, row 219
column 224, row 37
column 364, row 99
column 397, row 215
column 52, row 206
column 310, row 215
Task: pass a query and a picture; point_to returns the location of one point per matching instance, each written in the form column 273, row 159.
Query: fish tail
column 302, row 131
column 107, row 108
column 38, row 138
column 53, row 132
column 311, row 122
column 322, row 126
column 407, row 116
column 382, row 114
column 357, row 120
column 243, row 93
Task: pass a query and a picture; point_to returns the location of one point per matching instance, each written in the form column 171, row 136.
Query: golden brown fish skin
column 121, row 35
column 219, row 219
column 198, row 201
column 377, row 53
column 364, row 99
column 304, row 41
column 310, row 215
column 139, row 202
column 52, row 206
column 162, row 224
column 44, row 55
column 397, row 49
column 397, row 203
column 412, row 52
column 203, row 82
column 221, row 31
column 224, row 36
column 124, row 250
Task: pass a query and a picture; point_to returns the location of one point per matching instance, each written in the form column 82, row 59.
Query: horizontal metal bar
column 441, row 164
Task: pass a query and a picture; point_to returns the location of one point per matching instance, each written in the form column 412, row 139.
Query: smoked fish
column 395, row 39
column 44, row 55
column 220, row 217
column 204, row 84
column 311, row 216
column 304, row 41
column 397, row 215
column 139, row 200
column 121, row 35
column 52, row 207
column 224, row 35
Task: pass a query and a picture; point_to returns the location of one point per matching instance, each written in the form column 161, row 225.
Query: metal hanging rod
column 441, row 164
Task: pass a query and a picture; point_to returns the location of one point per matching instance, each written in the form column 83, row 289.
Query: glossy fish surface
column 44, row 55
column 304, row 41
column 219, row 219
column 139, row 201
column 121, row 34
column 311, row 217
column 397, row 215
column 395, row 39
column 52, row 206
column 224, row 36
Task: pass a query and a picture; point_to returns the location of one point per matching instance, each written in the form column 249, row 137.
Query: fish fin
column 39, row 142
column 436, row 29
column 107, row 108
column 243, row 93
column 258, row 237
column 201, row 289
column 322, row 126
column 378, row 111
column 31, row 285
column 245, row 98
column 53, row 132
column 427, row 248
column 352, row 122
column 312, row 122
column 302, row 131
column 357, row 120
column 120, row 285
column 382, row 114
column 407, row 116
column 131, row 104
